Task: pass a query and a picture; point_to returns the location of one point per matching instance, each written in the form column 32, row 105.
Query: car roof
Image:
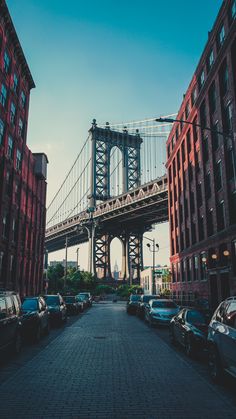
column 163, row 299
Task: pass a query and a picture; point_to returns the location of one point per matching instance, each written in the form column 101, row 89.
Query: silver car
column 160, row 311
column 222, row 340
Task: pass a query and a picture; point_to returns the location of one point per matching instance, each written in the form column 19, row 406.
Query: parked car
column 189, row 328
column 72, row 304
column 88, row 296
column 144, row 300
column 10, row 321
column 132, row 303
column 57, row 308
column 84, row 298
column 81, row 303
column 222, row 340
column 160, row 312
column 35, row 318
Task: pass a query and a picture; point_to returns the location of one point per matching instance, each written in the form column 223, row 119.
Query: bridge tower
column 103, row 140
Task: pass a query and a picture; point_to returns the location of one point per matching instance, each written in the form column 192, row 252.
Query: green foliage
column 165, row 293
column 125, row 290
column 55, row 274
column 103, row 289
column 74, row 282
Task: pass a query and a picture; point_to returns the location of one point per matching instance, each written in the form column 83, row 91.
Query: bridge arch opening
column 116, row 175
column 116, row 251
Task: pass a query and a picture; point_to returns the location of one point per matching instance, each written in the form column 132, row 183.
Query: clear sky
column 115, row 61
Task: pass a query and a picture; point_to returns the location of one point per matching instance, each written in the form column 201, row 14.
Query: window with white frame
column 15, row 83
column 6, row 62
column 13, row 113
column 10, row 147
column 3, row 96
column 22, row 99
column 18, row 159
column 20, row 128
column 1, row 131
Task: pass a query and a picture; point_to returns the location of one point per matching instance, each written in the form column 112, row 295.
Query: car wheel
column 17, row 343
column 214, row 363
column 189, row 348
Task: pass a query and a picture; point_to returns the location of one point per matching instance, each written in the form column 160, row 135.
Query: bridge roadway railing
column 152, row 188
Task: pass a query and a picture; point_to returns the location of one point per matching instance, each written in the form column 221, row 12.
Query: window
column 210, row 60
column 228, row 118
column 22, row 99
column 190, row 172
column 187, row 110
column 233, row 10
column 203, row 114
column 4, row 226
column 168, row 150
column 201, row 79
column 187, row 237
column 197, row 163
column 224, row 78
column 210, row 226
column 199, row 194
column 221, row 215
column 189, row 268
column 195, row 259
column 192, row 206
column 208, row 185
column 183, row 151
column 177, row 133
column 215, row 136
column 10, row 148
column 6, row 62
column 205, row 149
column 230, row 164
column 1, row 131
column 189, row 146
column 20, row 128
column 3, row 96
column 201, row 228
column 194, row 95
column 18, row 160
column 203, row 266
column 221, row 37
column 218, row 175
column 195, row 137
column 15, row 83
column 232, row 207
column 193, row 232
column 178, row 160
column 212, row 98
column 12, row 113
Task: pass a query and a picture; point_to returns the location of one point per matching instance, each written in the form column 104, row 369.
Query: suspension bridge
column 116, row 187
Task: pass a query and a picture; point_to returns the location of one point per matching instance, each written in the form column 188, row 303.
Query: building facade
column 22, row 174
column 202, row 174
column 161, row 283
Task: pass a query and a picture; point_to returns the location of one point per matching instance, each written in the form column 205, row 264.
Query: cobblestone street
column 107, row 364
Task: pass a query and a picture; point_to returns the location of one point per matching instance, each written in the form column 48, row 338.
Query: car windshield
column 85, row 294
column 29, row 304
column 195, row 317
column 52, row 300
column 83, row 297
column 69, row 299
column 147, row 298
column 164, row 304
column 135, row 297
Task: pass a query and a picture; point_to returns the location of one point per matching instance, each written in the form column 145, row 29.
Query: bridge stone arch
column 103, row 140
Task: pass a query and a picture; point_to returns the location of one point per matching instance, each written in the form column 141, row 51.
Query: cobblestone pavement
column 110, row 365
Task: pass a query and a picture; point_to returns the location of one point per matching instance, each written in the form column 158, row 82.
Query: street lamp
column 77, row 258
column 155, row 248
column 230, row 135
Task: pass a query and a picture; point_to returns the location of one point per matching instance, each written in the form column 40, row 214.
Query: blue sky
column 115, row 61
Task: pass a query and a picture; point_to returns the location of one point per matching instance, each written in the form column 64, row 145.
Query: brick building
column 22, row 174
column 202, row 175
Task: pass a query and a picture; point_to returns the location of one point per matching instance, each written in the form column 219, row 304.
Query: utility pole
column 77, row 258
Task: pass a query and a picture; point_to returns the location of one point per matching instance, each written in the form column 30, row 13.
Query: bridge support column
column 102, row 255
column 134, row 256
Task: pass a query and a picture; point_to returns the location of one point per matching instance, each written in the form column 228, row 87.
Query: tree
column 55, row 273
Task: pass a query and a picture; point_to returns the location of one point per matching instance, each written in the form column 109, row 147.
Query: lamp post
column 65, row 274
column 229, row 135
column 155, row 249
column 77, row 258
